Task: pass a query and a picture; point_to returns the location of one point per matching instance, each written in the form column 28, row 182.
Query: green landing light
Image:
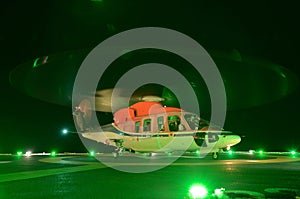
column 92, row 153
column 53, row 153
column 65, row 131
column 197, row 191
column 261, row 152
column 293, row 152
column 230, row 152
column 19, row 153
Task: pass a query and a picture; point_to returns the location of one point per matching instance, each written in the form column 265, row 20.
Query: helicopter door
column 200, row 139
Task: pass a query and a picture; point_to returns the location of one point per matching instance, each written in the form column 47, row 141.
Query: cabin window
column 147, row 125
column 175, row 124
column 137, row 126
column 160, row 123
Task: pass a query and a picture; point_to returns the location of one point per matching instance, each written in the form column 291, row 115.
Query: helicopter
column 151, row 127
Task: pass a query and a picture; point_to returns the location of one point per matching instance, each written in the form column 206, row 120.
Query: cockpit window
column 212, row 137
column 195, row 122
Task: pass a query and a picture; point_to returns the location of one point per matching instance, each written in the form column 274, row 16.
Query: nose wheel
column 215, row 155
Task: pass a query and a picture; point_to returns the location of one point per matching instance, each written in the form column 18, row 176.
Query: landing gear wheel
column 119, row 149
column 215, row 155
column 117, row 153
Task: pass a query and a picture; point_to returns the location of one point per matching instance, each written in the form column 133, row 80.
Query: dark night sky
column 30, row 29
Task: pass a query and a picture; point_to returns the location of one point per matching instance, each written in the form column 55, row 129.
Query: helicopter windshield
column 195, row 122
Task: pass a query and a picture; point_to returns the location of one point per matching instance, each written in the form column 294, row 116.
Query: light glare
column 198, row 191
column 28, row 153
column 219, row 192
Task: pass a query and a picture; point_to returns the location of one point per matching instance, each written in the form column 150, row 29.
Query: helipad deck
column 81, row 176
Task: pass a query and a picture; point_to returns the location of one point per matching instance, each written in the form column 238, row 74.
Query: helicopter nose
column 234, row 139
